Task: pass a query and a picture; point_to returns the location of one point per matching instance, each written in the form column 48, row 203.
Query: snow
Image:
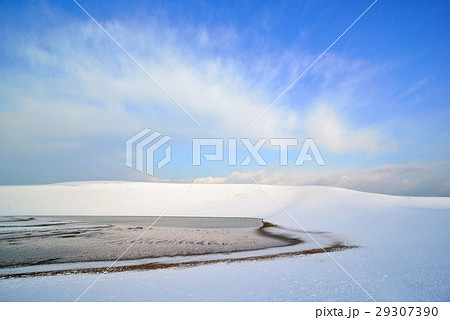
column 403, row 256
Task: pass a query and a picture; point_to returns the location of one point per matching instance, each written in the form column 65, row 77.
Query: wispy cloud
column 78, row 83
column 332, row 132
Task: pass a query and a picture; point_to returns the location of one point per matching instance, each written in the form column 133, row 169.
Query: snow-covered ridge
column 402, row 254
column 142, row 198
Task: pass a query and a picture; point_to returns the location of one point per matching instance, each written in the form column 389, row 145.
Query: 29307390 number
column 407, row 311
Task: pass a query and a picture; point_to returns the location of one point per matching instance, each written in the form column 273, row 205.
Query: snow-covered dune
column 403, row 242
column 139, row 198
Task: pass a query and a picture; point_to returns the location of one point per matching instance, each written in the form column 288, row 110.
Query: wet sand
column 46, row 240
column 27, row 242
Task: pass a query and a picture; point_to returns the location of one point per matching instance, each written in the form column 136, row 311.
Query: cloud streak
column 76, row 78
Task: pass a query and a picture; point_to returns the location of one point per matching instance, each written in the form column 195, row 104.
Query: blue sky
column 376, row 104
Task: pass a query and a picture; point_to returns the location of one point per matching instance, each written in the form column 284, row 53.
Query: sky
column 376, row 103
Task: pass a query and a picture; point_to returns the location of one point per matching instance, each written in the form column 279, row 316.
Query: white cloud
column 79, row 83
column 331, row 131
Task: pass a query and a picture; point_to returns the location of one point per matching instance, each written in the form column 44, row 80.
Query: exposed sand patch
column 27, row 243
column 53, row 240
